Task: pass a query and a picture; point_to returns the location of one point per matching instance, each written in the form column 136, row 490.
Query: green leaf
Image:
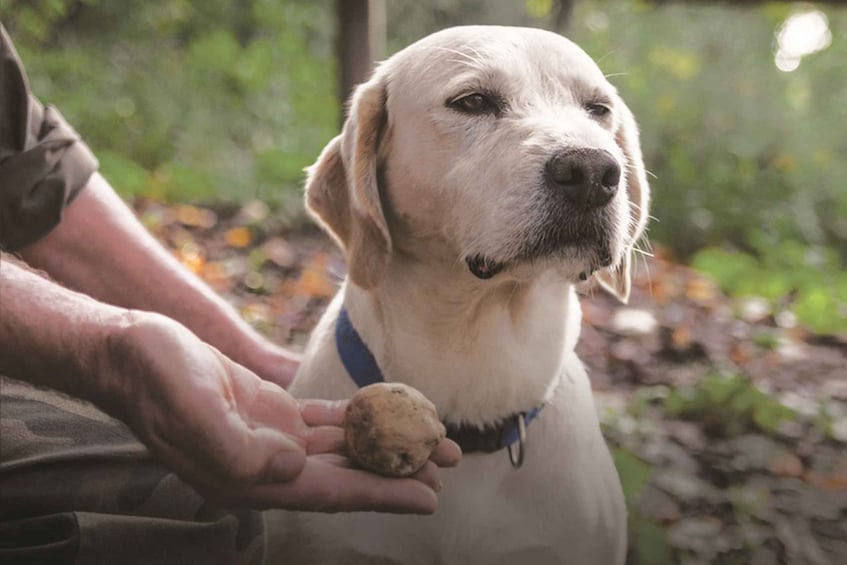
column 277, row 167
column 634, row 473
column 731, row 270
column 539, row 8
column 769, row 414
column 650, row 543
column 218, row 51
column 127, row 176
column 179, row 182
column 821, row 310
column 729, row 405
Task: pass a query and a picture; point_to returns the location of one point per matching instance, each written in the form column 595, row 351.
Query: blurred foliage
column 728, row 405
column 812, row 276
column 214, row 100
column 229, row 99
column 647, row 539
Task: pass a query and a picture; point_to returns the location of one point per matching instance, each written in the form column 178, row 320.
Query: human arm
column 237, row 438
column 101, row 249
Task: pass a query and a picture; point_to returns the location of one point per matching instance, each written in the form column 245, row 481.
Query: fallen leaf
column 634, row 322
column 254, row 280
column 280, row 252
column 238, row 237
column 189, row 254
column 834, row 483
column 740, row 352
column 216, row 276
column 787, row 465
column 701, row 290
column 257, row 314
column 313, row 281
column 255, row 211
column 682, row 337
column 193, row 216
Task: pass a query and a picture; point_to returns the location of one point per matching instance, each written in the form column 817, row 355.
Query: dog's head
column 502, row 149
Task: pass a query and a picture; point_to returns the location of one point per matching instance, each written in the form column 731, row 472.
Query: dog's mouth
column 577, row 245
column 484, row 268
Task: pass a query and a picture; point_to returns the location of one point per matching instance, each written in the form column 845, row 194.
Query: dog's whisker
column 647, row 273
column 608, row 53
column 476, row 52
column 638, row 208
column 633, row 168
column 643, row 244
column 474, row 62
column 642, row 252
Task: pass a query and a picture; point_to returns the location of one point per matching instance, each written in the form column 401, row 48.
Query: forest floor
column 727, row 420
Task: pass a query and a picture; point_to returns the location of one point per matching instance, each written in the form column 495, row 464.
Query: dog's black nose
column 586, row 177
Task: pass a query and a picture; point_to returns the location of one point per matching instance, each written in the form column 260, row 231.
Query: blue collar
column 357, row 358
column 364, row 370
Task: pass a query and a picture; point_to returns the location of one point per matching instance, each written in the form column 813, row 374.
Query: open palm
column 240, row 440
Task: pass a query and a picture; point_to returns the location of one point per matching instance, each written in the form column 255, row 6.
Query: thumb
column 286, row 465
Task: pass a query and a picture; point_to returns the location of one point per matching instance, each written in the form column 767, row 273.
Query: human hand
column 241, row 440
column 270, row 362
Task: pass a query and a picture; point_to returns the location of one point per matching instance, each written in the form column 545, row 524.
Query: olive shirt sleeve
column 43, row 162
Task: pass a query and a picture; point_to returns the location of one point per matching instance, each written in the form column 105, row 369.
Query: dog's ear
column 342, row 191
column 617, row 280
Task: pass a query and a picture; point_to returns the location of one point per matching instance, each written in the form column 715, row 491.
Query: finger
column 446, row 454
column 232, row 456
column 256, row 497
column 265, row 402
column 324, row 439
column 334, row 459
column 323, row 412
column 430, row 476
column 325, row 487
column 279, row 367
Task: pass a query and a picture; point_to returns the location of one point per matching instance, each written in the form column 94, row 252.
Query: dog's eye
column 597, row 110
column 475, row 103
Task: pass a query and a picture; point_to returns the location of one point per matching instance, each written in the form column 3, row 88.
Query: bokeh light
column 802, row 34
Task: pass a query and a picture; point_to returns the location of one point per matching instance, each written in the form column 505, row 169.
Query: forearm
column 54, row 337
column 101, row 249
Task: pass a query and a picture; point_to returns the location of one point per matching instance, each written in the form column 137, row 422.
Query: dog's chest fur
column 477, row 364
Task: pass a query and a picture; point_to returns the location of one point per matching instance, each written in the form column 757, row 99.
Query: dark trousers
column 77, row 487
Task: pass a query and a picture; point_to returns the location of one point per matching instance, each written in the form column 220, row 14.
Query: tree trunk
column 361, row 39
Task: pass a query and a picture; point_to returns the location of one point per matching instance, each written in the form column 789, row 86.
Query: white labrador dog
column 482, row 173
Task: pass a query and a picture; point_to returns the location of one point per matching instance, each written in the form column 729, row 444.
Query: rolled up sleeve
column 43, row 162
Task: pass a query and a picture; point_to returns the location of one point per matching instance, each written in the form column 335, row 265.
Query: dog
column 482, row 174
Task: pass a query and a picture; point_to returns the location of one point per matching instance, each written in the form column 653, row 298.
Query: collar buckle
column 517, row 460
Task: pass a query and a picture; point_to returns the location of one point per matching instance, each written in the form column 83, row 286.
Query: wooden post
column 361, row 40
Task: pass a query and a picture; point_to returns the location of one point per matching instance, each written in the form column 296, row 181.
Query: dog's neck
column 480, row 350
